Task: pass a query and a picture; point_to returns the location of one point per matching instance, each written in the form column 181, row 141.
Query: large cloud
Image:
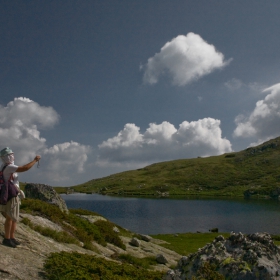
column 65, row 161
column 20, row 122
column 263, row 122
column 163, row 142
column 185, row 59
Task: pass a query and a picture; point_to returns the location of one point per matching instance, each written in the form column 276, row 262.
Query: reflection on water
column 153, row 216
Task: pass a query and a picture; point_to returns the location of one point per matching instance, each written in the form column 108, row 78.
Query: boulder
column 144, row 237
column 160, row 258
column 135, row 242
column 45, row 193
column 239, row 257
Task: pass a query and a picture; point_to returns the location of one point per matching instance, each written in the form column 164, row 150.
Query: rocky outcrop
column 239, row 257
column 45, row 193
column 26, row 261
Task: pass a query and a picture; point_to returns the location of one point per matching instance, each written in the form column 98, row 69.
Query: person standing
column 11, row 210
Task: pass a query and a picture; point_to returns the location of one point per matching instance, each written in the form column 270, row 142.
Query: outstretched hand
column 37, row 158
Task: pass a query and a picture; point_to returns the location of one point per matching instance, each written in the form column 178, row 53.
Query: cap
column 6, row 151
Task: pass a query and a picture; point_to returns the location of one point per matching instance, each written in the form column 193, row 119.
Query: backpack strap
column 4, row 168
column 12, row 175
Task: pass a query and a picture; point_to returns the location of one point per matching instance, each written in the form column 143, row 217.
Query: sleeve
column 11, row 168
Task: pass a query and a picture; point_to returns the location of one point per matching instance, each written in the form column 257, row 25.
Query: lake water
column 154, row 216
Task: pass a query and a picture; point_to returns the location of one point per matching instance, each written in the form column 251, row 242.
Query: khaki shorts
column 11, row 209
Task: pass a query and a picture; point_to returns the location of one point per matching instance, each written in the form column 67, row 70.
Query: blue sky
column 98, row 87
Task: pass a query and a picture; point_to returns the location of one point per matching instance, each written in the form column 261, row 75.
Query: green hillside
column 256, row 169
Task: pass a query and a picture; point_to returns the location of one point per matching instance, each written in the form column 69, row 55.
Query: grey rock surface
column 45, row 193
column 26, row 261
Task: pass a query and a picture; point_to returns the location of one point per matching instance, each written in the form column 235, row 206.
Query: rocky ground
column 26, row 261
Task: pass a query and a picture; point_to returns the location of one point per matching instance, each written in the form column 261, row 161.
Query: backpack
column 7, row 190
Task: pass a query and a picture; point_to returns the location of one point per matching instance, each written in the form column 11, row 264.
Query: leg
column 8, row 227
column 13, row 229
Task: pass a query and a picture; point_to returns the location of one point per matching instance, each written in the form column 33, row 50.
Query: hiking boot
column 9, row 243
column 15, row 241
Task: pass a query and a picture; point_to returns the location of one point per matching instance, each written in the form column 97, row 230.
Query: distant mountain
column 255, row 171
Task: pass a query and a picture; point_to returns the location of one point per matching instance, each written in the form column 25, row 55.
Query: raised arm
column 28, row 165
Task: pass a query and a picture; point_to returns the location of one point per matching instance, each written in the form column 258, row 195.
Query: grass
column 187, row 243
column 256, row 169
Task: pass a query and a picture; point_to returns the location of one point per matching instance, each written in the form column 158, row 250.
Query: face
column 11, row 157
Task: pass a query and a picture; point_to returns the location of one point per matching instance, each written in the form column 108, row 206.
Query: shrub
column 106, row 230
column 60, row 236
column 208, row 272
column 82, row 229
column 229, row 155
column 76, row 266
column 138, row 262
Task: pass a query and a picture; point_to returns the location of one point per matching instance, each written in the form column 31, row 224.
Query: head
column 7, row 156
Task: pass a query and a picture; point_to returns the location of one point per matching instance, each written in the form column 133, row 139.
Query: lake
column 165, row 215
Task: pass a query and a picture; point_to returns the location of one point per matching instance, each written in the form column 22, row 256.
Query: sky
column 100, row 87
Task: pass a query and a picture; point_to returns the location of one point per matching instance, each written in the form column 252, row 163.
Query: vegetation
column 76, row 266
column 137, row 262
column 208, row 272
column 187, row 243
column 76, row 229
column 255, row 169
column 59, row 236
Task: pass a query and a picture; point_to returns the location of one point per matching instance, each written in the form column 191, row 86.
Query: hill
column 255, row 170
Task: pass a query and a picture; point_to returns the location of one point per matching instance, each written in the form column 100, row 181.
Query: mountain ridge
column 255, row 170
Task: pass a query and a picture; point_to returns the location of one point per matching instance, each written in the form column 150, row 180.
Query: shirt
column 11, row 169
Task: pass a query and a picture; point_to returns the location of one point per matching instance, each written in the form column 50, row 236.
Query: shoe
column 15, row 241
column 9, row 243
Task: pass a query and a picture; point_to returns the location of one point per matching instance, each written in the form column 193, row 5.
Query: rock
column 238, row 257
column 115, row 229
column 135, row 242
column 45, row 193
column 161, row 259
column 144, row 237
column 171, row 275
column 92, row 219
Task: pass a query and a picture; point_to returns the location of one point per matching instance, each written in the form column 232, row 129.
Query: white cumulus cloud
column 65, row 161
column 163, row 142
column 234, row 85
column 184, row 59
column 263, row 121
column 20, row 124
